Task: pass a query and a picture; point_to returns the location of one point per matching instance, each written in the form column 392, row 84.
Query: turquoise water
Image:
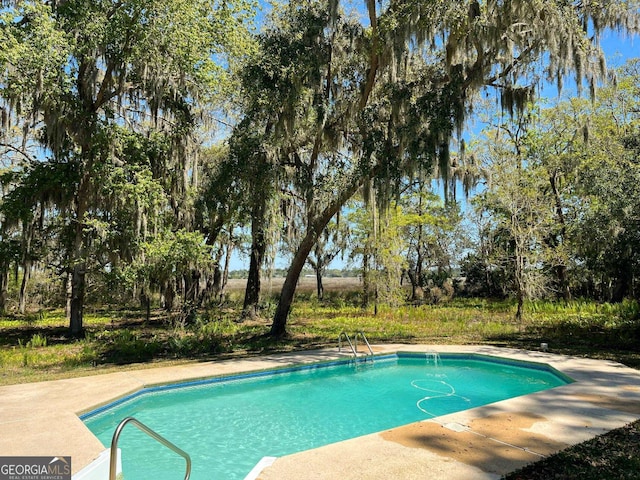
column 227, row 427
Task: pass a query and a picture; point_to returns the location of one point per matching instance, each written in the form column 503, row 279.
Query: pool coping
column 43, row 418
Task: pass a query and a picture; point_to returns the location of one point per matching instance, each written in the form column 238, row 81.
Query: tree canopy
column 109, row 89
column 142, row 140
column 363, row 103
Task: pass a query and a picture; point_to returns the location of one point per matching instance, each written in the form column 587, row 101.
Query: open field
column 306, row 284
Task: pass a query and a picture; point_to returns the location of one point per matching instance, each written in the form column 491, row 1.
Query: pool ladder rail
column 156, row 436
column 354, row 345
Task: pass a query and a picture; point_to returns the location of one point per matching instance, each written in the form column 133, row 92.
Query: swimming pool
column 228, row 424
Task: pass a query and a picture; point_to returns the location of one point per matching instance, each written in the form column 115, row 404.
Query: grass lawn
column 37, row 347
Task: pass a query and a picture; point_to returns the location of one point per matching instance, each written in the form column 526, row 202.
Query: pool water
column 228, row 426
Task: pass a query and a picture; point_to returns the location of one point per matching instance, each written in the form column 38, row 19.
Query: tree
column 259, row 182
column 28, row 210
column 582, row 148
column 220, row 211
column 560, row 199
column 432, row 237
column 373, row 103
column 519, row 208
column 330, row 244
column 605, row 237
column 169, row 256
column 244, row 186
column 554, row 141
column 79, row 70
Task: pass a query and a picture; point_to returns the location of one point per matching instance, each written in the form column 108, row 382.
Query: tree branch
column 18, row 151
column 374, row 59
column 102, row 97
column 507, row 70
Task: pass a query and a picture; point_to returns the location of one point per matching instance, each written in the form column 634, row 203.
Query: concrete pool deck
column 481, row 443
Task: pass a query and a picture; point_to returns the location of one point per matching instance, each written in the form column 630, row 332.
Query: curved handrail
column 361, row 333
column 156, row 436
column 353, row 350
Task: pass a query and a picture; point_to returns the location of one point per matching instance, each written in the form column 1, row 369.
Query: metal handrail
column 353, row 350
column 355, row 338
column 156, row 436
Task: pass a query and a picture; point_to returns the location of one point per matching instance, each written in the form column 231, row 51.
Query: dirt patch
column 612, row 403
column 512, row 428
column 494, row 444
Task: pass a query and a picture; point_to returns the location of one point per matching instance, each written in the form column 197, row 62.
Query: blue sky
column 618, row 48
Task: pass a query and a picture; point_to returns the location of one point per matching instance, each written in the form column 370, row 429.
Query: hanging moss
column 514, row 99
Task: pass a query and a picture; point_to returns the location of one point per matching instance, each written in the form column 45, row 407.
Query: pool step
column 261, row 465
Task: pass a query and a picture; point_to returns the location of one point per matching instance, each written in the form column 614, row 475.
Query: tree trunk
column 314, row 229
column 318, row 265
column 623, row 282
column 169, row 295
column 77, row 299
column 252, row 291
column 278, row 329
column 319, row 286
column 78, row 257
column 216, row 286
column 563, row 284
column 4, row 284
column 258, row 248
column 366, row 281
column 67, row 294
column 191, row 295
column 225, row 272
column 77, row 285
column 561, row 270
column 520, row 309
column 417, row 295
column 145, row 302
column 26, row 273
